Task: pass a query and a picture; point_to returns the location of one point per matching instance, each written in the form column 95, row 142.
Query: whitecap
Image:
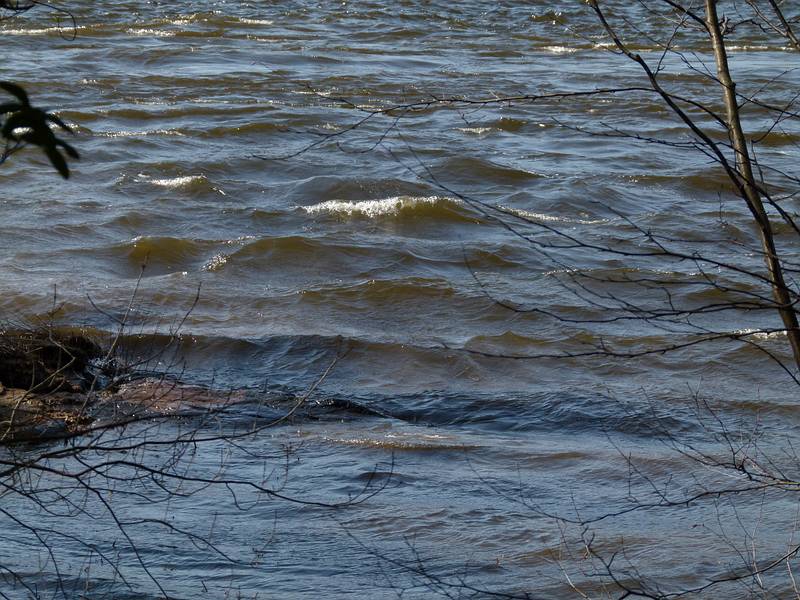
column 216, row 262
column 151, row 32
column 560, row 49
column 32, row 31
column 759, row 334
column 257, row 21
column 375, row 208
column 117, row 134
column 175, row 182
column 476, row 130
column 749, row 47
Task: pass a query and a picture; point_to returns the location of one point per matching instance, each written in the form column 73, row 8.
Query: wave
column 548, row 411
column 777, row 138
column 162, row 249
column 709, row 181
column 383, row 291
column 216, row 262
column 509, row 124
column 540, row 217
column 561, row 49
column 487, row 171
column 67, row 31
column 476, row 130
column 759, row 334
column 437, row 207
column 162, row 255
column 151, row 32
column 294, row 361
column 256, row 21
column 187, row 183
column 508, row 341
column 178, row 182
column 408, row 442
column 503, row 124
column 140, row 133
column 212, row 18
column 291, row 247
column 242, row 128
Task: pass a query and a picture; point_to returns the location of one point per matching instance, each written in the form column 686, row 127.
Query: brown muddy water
column 383, row 245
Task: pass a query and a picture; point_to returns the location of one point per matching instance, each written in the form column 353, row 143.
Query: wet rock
column 50, row 388
column 166, row 396
column 26, row 416
column 47, row 361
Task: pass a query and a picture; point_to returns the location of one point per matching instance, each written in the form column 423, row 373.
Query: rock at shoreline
column 167, row 396
column 27, row 416
column 46, row 360
column 49, row 389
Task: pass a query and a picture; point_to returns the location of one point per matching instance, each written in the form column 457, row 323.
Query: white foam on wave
column 151, row 32
column 374, row 208
column 169, row 182
column 40, row 31
column 188, row 20
column 476, row 130
column 176, row 182
column 758, row 334
column 216, row 262
column 534, row 216
column 559, row 49
column 257, row 21
column 751, row 47
column 117, row 134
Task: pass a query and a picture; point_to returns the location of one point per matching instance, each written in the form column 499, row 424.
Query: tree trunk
column 748, row 186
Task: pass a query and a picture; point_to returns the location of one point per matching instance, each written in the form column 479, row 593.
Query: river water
column 204, row 130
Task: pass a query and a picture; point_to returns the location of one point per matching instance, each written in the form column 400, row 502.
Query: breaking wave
column 411, row 206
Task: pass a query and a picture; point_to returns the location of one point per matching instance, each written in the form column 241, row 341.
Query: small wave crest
column 560, row 49
column 406, row 442
column 487, row 171
column 189, row 183
column 760, row 334
column 387, row 207
column 256, row 21
column 150, row 32
column 539, row 217
column 57, row 30
column 142, row 133
column 178, row 182
column 161, row 249
column 476, row 130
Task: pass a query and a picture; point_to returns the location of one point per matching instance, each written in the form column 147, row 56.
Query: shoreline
column 70, row 391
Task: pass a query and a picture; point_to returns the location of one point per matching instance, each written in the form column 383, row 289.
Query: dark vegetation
column 23, row 124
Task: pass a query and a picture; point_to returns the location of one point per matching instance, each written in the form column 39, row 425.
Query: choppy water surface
column 183, row 112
